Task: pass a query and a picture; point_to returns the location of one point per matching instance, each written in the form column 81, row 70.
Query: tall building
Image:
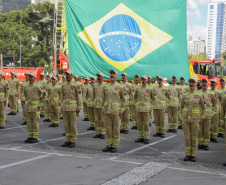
column 196, row 46
column 42, row 1
column 216, row 25
column 8, row 5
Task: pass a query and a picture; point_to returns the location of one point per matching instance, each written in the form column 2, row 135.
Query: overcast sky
column 199, row 10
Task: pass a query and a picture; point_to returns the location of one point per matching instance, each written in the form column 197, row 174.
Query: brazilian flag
column 144, row 37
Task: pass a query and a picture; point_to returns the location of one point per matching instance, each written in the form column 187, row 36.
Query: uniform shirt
column 24, row 84
column 223, row 111
column 175, row 93
column 47, row 86
column 54, row 94
column 60, row 83
column 161, row 96
column 133, row 91
column 89, row 96
column 192, row 103
column 114, row 98
column 183, row 88
column 98, row 94
column 223, row 91
column 143, row 97
column 210, row 102
column 14, row 86
column 127, row 87
column 84, row 89
column 4, row 91
column 33, row 96
column 71, row 97
column 42, row 83
column 219, row 98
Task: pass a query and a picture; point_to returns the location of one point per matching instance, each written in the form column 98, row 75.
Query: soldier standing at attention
column 127, row 87
column 135, row 85
column 42, row 82
column 143, row 98
column 174, row 105
column 192, row 102
column 150, row 85
column 54, row 97
column 98, row 96
column 34, row 95
column 22, row 97
column 17, row 102
column 72, row 104
column 84, row 89
column 60, row 82
column 89, row 103
column 46, row 103
column 183, row 88
column 77, row 80
column 223, row 117
column 14, row 87
column 114, row 103
column 4, row 93
column 161, row 94
column 211, row 107
column 215, row 121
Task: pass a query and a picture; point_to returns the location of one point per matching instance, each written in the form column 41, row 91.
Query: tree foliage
column 35, row 26
column 201, row 56
column 222, row 56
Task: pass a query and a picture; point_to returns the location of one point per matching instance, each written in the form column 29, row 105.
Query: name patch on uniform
column 196, row 96
column 79, row 87
column 147, row 91
column 34, row 89
column 72, row 87
column 177, row 89
column 42, row 88
column 163, row 90
column 127, row 85
column 216, row 93
column 124, row 89
column 55, row 89
column 209, row 95
column 185, row 88
column 1, row 84
column 116, row 88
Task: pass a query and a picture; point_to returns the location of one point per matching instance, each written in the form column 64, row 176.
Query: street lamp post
column 46, row 66
column 20, row 48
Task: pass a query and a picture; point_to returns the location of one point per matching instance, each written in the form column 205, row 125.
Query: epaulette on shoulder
column 198, row 93
column 186, row 93
column 96, row 83
column 165, row 88
column 139, row 86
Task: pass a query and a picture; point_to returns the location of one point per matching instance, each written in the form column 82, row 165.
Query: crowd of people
column 111, row 107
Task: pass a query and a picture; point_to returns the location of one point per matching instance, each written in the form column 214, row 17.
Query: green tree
column 201, row 56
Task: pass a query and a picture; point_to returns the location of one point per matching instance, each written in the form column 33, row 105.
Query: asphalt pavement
column 158, row 163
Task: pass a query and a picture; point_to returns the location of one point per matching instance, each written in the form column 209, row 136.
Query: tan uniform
column 14, row 87
column 47, row 86
column 173, row 105
column 22, row 99
column 72, row 101
column 54, row 101
column 161, row 95
column 134, row 104
column 114, row 99
column 215, row 121
column 42, row 84
column 211, row 107
column 223, row 113
column 98, row 97
column 192, row 103
column 223, row 90
column 34, row 95
column 125, row 122
column 60, row 83
column 184, row 88
column 84, row 89
column 151, row 114
column 4, row 94
column 89, row 104
column 143, row 98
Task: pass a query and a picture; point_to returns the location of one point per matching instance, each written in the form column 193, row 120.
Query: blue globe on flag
column 120, row 38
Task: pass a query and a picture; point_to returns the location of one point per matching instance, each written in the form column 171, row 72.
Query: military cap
column 174, row 77
column 42, row 74
column 47, row 76
column 205, row 80
column 113, row 71
column 100, row 74
column 160, row 78
column 144, row 77
column 32, row 74
column 182, row 78
column 76, row 76
column 86, row 78
column 213, row 80
column 70, row 72
column 137, row 76
column 2, row 73
column 55, row 78
column 192, row 80
column 93, row 78
column 149, row 77
column 58, row 75
column 13, row 73
column 63, row 76
column 124, row 74
column 222, row 79
column 27, row 73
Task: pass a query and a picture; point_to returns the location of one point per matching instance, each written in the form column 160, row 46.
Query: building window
column 211, row 7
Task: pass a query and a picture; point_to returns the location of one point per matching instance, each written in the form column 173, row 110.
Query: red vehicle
column 200, row 69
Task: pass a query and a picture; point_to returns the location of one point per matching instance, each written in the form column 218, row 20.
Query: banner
column 146, row 37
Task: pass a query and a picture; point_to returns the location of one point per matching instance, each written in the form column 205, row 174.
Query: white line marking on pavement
column 197, row 171
column 24, row 161
column 19, row 127
column 129, row 162
column 145, row 146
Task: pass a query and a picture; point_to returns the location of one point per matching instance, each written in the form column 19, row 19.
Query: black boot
column 162, row 135
column 219, row 135
column 139, row 140
column 214, row 140
column 63, row 134
column 187, row 158
column 107, row 149
column 193, row 159
column 146, row 141
column 102, row 136
column 97, row 136
column 113, row 150
column 51, row 125
column 224, row 164
column 150, row 124
column 11, row 113
column 157, row 135
column 46, row 120
column 205, row 147
column 42, row 116
column 169, row 130
column 65, row 144
column 71, row 145
column 133, row 127
column 24, row 123
column 34, row 140
column 174, row 131
column 28, row 140
column 179, row 127
column 126, row 131
column 200, row 146
column 90, row 128
column 1, row 127
column 222, row 135
column 121, row 131
column 55, row 125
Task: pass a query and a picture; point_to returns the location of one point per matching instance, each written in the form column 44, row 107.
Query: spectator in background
column 165, row 83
